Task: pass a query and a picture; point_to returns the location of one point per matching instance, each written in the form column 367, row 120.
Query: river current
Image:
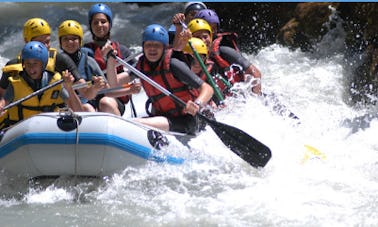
column 322, row 172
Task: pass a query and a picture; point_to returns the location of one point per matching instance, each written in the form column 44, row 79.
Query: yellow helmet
column 35, row 27
column 70, row 27
column 198, row 24
column 198, row 45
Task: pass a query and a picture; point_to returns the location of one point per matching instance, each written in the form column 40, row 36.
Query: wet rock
column 302, row 25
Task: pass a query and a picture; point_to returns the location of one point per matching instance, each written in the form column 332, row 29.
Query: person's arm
column 119, row 79
column 8, row 97
column 232, row 56
column 176, row 19
column 72, row 101
column 182, row 72
column 64, row 62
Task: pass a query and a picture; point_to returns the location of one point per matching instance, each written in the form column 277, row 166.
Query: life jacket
column 14, row 69
column 214, row 51
column 84, row 70
column 225, row 39
column 101, row 62
column 163, row 104
column 48, row 101
column 215, row 77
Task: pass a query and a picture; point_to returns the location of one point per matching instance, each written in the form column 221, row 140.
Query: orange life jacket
column 162, row 104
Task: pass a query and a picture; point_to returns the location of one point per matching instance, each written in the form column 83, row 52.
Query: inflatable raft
column 83, row 144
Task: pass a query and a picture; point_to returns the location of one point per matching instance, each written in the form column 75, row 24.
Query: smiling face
column 153, row 50
column 70, row 43
column 196, row 66
column 34, row 68
column 205, row 36
column 100, row 25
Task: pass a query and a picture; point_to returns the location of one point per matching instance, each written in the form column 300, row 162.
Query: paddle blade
column 245, row 146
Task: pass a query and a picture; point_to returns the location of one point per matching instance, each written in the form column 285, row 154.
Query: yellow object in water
column 312, row 152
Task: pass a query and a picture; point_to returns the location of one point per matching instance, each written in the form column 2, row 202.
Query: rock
column 302, row 25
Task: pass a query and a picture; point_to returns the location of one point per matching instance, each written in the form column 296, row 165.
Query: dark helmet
column 100, row 8
column 35, row 50
column 156, row 32
column 208, row 15
column 190, row 6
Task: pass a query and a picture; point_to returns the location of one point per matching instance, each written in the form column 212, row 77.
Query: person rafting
column 189, row 11
column 37, row 29
column 229, row 62
column 158, row 63
column 70, row 35
column 100, row 19
column 33, row 77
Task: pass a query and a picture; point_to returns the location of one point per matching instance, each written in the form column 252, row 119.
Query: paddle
column 210, row 79
column 248, row 148
column 278, row 107
column 32, row 94
column 218, row 93
column 108, row 90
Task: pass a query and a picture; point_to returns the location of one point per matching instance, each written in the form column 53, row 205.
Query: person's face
column 214, row 28
column 195, row 65
column 153, row 50
column 205, row 36
column 100, row 25
column 34, row 68
column 70, row 43
column 45, row 39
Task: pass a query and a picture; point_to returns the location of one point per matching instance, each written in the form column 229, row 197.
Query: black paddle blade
column 245, row 146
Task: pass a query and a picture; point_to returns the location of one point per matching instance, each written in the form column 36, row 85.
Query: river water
column 333, row 184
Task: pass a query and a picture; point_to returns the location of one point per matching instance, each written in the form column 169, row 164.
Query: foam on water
column 216, row 187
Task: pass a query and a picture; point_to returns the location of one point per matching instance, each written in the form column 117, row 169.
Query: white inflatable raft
column 51, row 144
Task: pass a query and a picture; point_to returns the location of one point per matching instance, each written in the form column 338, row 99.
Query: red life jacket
column 162, row 104
column 228, row 38
column 101, row 62
column 218, row 82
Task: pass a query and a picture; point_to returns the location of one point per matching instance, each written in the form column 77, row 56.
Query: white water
column 216, row 188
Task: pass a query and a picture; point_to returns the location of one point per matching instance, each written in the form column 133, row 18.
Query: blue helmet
column 35, row 50
column 208, row 15
column 156, row 32
column 100, row 8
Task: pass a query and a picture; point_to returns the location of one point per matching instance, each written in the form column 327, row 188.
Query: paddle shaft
column 204, row 69
column 108, row 90
column 278, row 107
column 208, row 76
column 245, row 146
column 33, row 94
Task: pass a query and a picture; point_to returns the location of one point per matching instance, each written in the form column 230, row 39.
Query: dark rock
column 302, row 25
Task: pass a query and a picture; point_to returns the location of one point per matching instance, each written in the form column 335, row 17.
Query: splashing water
column 320, row 174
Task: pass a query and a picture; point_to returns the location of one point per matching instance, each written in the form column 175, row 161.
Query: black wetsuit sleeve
column 182, row 72
column 234, row 57
column 63, row 62
column 4, row 82
column 179, row 55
